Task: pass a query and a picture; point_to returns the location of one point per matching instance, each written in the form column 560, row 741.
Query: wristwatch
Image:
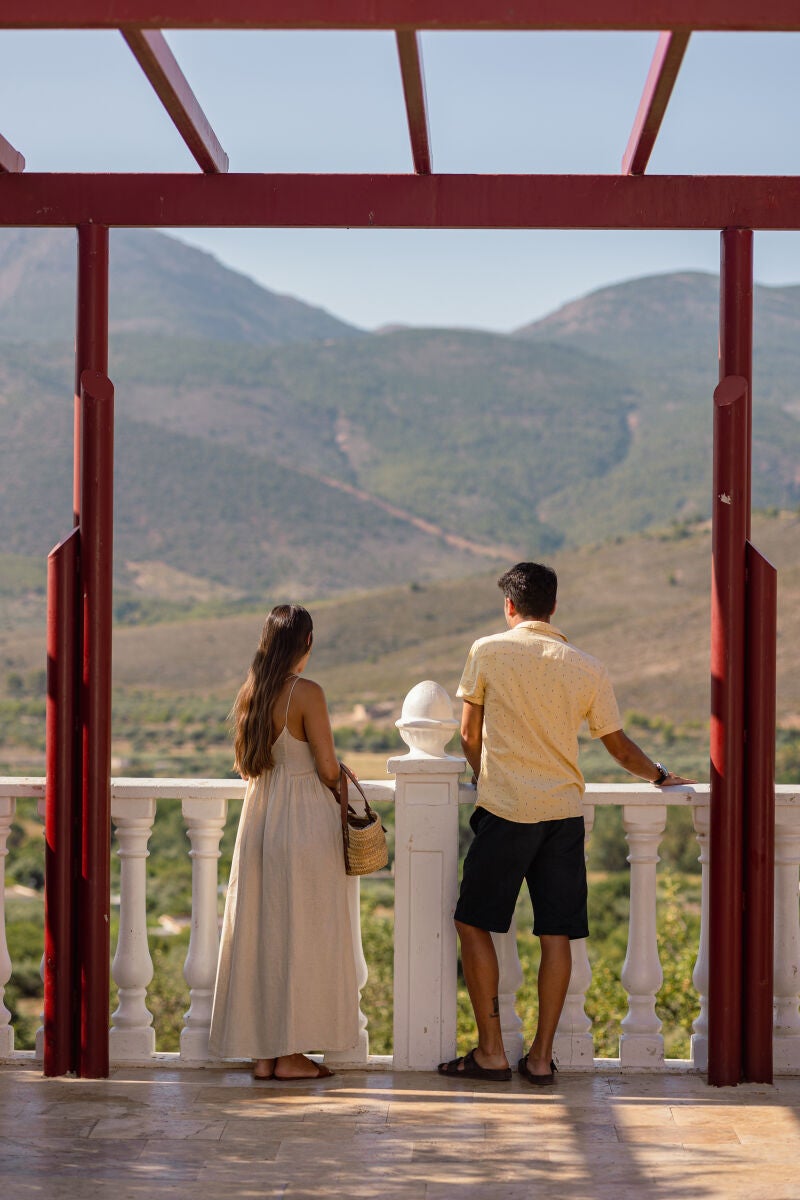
column 663, row 774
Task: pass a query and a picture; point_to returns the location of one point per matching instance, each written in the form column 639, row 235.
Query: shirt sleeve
column 603, row 715
column 473, row 685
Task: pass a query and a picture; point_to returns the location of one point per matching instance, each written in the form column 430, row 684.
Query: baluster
column 205, row 821
column 360, row 1053
column 38, row 1044
column 38, row 1052
column 701, row 816
column 511, row 979
column 7, row 807
column 786, row 1044
column 573, row 1045
column 132, row 1037
column 641, row 1043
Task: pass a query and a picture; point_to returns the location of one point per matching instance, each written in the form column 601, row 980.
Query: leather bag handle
column 346, row 774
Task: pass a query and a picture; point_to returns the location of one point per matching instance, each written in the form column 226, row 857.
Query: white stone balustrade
column 786, row 1042
column 39, row 1043
column 427, row 794
column 7, row 809
column 132, row 1036
column 510, row 982
column 358, row 1057
column 573, row 1045
column 641, row 1044
column 701, row 817
column 205, row 823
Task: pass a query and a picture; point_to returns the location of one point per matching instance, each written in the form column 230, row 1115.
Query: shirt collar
column 542, row 627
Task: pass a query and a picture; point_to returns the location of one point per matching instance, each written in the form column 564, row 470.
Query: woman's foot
column 297, row 1066
column 264, row 1068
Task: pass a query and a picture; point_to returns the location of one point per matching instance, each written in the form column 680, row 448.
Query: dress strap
column 289, row 700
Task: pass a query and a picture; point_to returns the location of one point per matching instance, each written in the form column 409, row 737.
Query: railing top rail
column 122, row 788
column 24, row 786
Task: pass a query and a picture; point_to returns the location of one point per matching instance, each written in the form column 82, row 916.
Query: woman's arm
column 317, row 728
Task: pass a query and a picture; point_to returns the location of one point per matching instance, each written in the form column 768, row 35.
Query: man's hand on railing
column 672, row 780
column 631, row 756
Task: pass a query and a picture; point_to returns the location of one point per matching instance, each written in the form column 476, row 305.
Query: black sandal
column 473, row 1070
column 536, row 1080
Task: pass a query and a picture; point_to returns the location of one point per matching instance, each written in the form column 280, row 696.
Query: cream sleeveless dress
column 286, row 979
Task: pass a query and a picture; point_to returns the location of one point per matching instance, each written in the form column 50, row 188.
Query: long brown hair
column 285, row 638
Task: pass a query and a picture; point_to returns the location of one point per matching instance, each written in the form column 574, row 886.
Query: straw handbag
column 364, row 838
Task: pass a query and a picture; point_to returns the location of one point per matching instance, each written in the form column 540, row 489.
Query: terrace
column 636, row 1115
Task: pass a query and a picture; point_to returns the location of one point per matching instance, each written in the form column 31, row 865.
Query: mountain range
column 262, row 445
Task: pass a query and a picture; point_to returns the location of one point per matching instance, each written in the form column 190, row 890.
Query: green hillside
column 158, row 286
column 257, row 454
column 664, row 329
column 640, row 603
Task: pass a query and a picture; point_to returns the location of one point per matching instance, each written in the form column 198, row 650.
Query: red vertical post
column 91, row 327
column 736, row 327
column 759, row 815
column 60, row 983
column 727, row 733
column 96, row 509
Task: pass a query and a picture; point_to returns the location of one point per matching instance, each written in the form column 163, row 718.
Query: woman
column 286, row 979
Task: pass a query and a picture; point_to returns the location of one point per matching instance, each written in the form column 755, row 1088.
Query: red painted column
column 727, row 733
column 61, row 806
column 91, row 327
column 759, row 815
column 736, row 327
column 96, row 509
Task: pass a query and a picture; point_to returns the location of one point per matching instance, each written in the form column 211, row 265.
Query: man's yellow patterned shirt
column 536, row 691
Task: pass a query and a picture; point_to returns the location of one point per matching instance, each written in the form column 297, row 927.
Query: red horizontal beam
column 10, row 159
column 657, row 91
column 403, row 201
column 172, row 88
column 680, row 15
column 409, row 52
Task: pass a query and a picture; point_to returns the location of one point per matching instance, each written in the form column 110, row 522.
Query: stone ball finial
column 426, row 722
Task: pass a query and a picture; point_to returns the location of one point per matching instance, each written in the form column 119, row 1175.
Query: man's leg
column 555, row 969
column 482, row 977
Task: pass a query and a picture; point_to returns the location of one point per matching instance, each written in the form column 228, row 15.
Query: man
column 526, row 693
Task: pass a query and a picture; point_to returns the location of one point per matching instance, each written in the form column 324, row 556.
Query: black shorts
column 548, row 855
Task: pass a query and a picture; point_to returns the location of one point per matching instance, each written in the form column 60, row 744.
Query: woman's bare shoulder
column 309, row 690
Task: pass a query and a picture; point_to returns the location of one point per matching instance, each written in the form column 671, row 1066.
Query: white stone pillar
column 426, row 882
column 641, row 1043
column 573, row 1045
column 786, row 1042
column 511, row 978
column 205, row 820
column 7, row 807
column 360, row 1054
column 132, row 1037
column 701, row 815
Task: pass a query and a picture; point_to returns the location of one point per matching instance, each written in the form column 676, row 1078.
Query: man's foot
column 537, row 1071
column 297, row 1066
column 469, row 1068
column 263, row 1068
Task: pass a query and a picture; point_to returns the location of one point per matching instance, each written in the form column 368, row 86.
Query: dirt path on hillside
column 496, row 551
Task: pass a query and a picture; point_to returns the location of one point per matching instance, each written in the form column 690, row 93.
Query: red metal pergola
column 743, row 598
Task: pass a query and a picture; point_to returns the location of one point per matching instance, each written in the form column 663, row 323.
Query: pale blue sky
column 498, row 102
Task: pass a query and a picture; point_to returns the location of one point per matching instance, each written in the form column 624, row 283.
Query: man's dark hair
column 531, row 587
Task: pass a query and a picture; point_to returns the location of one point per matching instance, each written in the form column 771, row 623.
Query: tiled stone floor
column 216, row 1135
